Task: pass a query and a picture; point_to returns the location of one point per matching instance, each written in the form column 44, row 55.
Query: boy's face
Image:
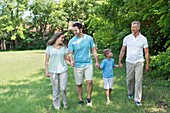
column 109, row 54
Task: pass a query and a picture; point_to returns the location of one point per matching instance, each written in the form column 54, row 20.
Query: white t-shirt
column 135, row 47
column 57, row 62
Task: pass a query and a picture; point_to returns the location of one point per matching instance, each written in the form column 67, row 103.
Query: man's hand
column 97, row 65
column 147, row 68
column 120, row 65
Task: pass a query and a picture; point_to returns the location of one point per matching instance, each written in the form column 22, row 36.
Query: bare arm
column 146, row 50
column 100, row 68
column 66, row 57
column 116, row 65
column 95, row 56
column 46, row 65
column 71, row 58
column 121, row 55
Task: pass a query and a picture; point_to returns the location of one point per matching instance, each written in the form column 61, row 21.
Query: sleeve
column 70, row 46
column 145, row 43
column 65, row 50
column 124, row 42
column 102, row 64
column 91, row 42
column 47, row 50
column 113, row 63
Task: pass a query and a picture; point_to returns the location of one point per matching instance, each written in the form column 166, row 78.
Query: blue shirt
column 81, row 48
column 107, row 68
column 57, row 62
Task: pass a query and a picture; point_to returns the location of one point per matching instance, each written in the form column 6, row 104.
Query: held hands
column 47, row 73
column 97, row 65
column 120, row 65
column 72, row 63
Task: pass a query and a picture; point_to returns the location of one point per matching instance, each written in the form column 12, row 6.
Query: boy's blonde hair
column 106, row 51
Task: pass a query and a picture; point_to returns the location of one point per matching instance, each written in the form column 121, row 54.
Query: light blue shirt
column 57, row 62
column 81, row 48
column 107, row 68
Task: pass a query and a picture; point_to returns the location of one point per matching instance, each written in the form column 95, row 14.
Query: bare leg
column 89, row 85
column 108, row 94
column 80, row 91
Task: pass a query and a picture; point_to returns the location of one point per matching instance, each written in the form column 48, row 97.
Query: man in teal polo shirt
column 80, row 48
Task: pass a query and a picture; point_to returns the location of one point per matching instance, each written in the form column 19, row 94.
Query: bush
column 160, row 65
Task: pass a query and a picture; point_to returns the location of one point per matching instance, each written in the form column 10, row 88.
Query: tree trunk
column 3, row 44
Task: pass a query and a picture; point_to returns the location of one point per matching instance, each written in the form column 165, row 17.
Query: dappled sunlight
column 119, row 87
column 32, row 92
column 26, row 92
column 157, row 110
column 100, row 83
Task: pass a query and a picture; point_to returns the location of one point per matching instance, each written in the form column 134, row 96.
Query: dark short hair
column 77, row 24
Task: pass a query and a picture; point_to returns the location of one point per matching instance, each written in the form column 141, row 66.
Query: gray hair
column 136, row 22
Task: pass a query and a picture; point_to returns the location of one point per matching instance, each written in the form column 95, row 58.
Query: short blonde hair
column 106, row 51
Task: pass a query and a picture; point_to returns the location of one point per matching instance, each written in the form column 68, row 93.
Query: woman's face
column 60, row 39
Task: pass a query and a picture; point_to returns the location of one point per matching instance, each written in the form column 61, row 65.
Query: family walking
column 78, row 54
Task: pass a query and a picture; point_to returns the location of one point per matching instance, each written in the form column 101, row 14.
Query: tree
column 11, row 22
column 113, row 20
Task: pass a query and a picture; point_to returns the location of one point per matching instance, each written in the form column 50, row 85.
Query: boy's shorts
column 80, row 73
column 108, row 83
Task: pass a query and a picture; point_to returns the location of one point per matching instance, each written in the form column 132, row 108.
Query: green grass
column 25, row 89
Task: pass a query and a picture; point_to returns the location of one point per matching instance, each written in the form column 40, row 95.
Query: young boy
column 107, row 66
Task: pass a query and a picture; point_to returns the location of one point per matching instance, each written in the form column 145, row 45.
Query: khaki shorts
column 80, row 73
column 108, row 83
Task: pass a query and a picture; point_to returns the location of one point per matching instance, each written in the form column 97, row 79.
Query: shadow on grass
column 34, row 95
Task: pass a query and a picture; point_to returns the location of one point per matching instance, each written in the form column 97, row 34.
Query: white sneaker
column 138, row 103
column 65, row 106
column 130, row 96
column 89, row 103
column 108, row 102
column 58, row 108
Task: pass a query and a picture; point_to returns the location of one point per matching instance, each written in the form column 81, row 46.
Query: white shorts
column 108, row 83
column 80, row 73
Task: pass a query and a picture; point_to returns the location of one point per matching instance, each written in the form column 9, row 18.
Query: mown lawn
column 25, row 89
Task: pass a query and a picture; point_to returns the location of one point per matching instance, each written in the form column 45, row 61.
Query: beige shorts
column 108, row 83
column 80, row 73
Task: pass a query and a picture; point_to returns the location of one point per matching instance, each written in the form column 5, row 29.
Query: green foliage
column 11, row 22
column 160, row 65
column 118, row 15
column 107, row 21
column 112, row 19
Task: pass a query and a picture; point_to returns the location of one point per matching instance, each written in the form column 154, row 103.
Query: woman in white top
column 56, row 68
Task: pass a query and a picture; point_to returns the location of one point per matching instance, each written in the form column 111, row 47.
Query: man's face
column 135, row 28
column 76, row 31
